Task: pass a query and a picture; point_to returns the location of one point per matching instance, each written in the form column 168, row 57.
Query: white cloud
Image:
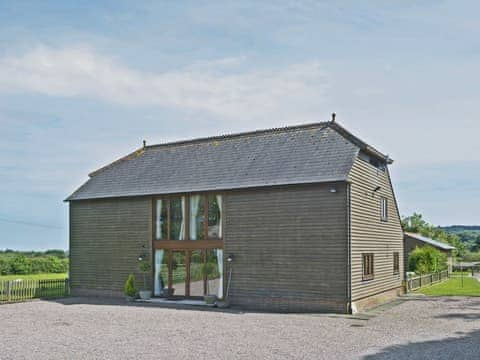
column 290, row 93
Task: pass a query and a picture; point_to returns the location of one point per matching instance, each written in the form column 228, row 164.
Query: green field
column 453, row 287
column 34, row 277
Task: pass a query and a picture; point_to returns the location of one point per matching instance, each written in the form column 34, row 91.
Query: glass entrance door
column 184, row 273
column 197, row 279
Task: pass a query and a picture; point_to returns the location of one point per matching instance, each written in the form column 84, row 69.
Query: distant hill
column 460, row 228
column 468, row 235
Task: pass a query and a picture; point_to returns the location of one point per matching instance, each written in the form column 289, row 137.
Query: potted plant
column 144, row 267
column 208, row 269
column 129, row 288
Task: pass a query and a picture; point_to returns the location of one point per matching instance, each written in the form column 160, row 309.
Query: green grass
column 459, row 273
column 453, row 287
column 34, row 277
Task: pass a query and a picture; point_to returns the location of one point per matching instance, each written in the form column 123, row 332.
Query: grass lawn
column 453, row 287
column 458, row 273
column 34, row 277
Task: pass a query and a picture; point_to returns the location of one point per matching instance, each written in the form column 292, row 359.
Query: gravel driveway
column 76, row 328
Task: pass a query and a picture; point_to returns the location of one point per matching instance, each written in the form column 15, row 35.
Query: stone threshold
column 185, row 302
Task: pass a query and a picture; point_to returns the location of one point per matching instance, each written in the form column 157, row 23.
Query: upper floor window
column 170, row 218
column 384, row 209
column 376, row 162
column 396, row 262
column 202, row 213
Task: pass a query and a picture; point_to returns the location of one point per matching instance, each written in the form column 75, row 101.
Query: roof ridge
column 240, row 134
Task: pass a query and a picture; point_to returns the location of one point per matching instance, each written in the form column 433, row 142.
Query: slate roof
column 312, row 153
column 429, row 241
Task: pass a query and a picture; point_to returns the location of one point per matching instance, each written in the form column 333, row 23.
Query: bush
column 129, row 289
column 24, row 263
column 426, row 259
column 20, row 265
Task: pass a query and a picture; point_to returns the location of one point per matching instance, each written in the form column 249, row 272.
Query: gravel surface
column 77, row 328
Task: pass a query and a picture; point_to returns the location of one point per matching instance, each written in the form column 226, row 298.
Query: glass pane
column 197, row 217
column 161, row 220
column 179, row 274
column 177, row 218
column 161, row 273
column 197, row 285
column 214, row 216
column 215, row 277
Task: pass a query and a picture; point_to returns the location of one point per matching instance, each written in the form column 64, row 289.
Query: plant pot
column 145, row 294
column 168, row 292
column 210, row 299
column 129, row 298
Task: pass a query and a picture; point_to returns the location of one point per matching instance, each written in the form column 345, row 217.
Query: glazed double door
column 186, row 273
column 190, row 273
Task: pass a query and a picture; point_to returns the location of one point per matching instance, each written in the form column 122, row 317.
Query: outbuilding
column 413, row 241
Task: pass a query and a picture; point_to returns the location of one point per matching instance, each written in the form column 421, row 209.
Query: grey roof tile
column 429, row 241
column 294, row 155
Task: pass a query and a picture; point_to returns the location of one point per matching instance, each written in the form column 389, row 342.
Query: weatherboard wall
column 290, row 248
column 369, row 234
column 106, row 238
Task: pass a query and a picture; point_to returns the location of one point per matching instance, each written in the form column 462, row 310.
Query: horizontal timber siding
column 290, row 248
column 106, row 238
column 371, row 235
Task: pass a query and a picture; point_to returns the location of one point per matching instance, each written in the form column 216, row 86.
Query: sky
column 83, row 83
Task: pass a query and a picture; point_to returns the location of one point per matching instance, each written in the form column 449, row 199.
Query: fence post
column 9, row 290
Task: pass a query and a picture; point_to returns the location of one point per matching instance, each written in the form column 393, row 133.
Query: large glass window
column 197, row 217
column 177, row 218
column 205, row 209
column 162, row 220
column 161, row 273
column 215, row 279
column 214, row 216
column 204, row 214
column 197, row 284
column 179, row 273
column 170, row 219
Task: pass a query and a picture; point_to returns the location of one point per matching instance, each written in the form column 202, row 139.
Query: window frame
column 396, row 263
column 384, row 209
column 368, row 266
column 187, row 218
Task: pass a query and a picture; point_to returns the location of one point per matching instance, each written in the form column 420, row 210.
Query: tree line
column 33, row 262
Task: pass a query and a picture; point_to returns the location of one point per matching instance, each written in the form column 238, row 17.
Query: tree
column 426, row 260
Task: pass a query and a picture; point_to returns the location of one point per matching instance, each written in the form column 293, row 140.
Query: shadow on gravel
column 465, row 347
column 464, row 316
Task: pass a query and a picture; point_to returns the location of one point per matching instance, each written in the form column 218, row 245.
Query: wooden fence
column 19, row 290
column 417, row 282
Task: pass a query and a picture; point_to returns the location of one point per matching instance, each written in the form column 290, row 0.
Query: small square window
column 396, row 263
column 367, row 266
column 384, row 208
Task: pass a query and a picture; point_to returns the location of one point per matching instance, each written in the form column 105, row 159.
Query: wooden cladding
column 368, row 266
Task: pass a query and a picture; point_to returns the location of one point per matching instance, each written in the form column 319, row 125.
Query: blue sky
column 82, row 83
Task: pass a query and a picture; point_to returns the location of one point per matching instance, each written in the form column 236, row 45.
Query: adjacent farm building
column 412, row 241
column 307, row 214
